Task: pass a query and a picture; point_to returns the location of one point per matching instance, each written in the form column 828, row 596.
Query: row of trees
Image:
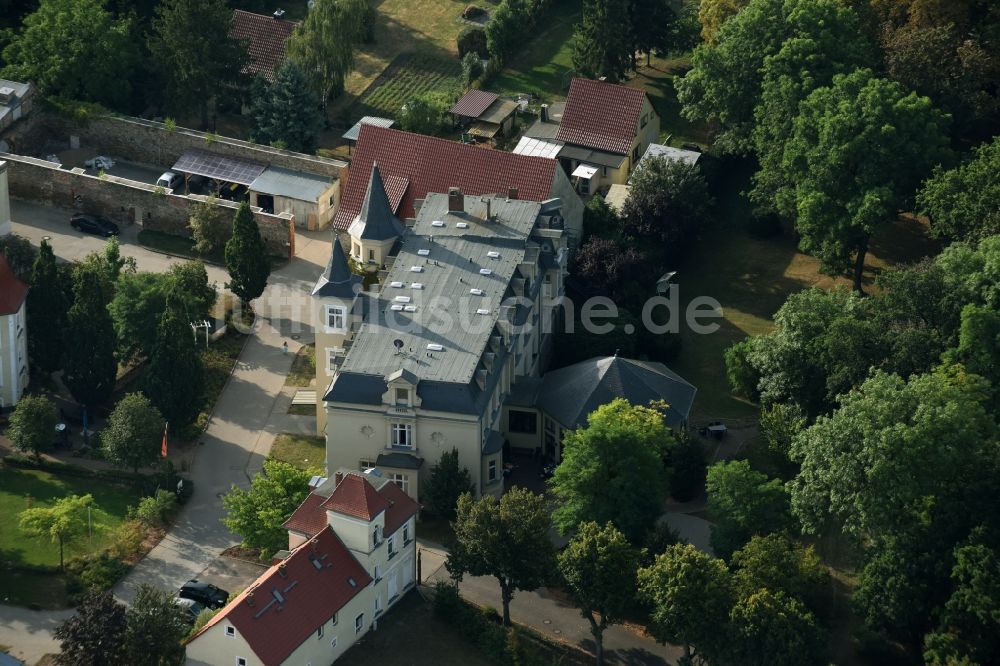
column 177, row 55
column 842, row 146
column 885, row 411
column 611, row 32
column 147, row 632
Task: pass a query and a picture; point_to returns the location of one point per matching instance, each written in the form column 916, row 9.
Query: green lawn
column 409, row 75
column 305, row 452
column 303, row 368
column 658, row 81
column 543, row 66
column 24, row 488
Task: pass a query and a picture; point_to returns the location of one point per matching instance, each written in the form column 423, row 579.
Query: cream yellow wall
column 13, row 357
column 327, row 339
column 347, row 444
column 318, row 650
column 214, row 648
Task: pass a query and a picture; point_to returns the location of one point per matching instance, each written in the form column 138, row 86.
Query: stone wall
column 127, row 201
column 150, row 143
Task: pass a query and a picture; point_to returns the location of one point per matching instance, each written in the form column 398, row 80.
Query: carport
column 231, row 173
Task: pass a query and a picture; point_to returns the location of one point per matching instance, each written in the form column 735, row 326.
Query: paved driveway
column 238, row 436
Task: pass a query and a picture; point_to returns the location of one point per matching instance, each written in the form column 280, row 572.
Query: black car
column 190, row 609
column 93, row 224
column 204, row 593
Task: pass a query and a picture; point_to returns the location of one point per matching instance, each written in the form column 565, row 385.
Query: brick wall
column 126, row 200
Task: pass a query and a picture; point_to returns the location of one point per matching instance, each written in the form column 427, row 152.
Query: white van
column 169, row 180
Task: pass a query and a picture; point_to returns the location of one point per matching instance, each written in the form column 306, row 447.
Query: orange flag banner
column 163, row 449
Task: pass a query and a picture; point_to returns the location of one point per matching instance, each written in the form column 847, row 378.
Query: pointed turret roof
column 376, row 221
column 337, row 280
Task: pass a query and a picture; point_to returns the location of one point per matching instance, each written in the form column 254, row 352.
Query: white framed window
column 402, row 396
column 336, row 318
column 359, row 622
column 319, row 631
column 230, row 631
column 391, row 546
column 491, row 468
column 332, row 353
column 333, row 642
column 371, row 255
column 401, row 435
column 333, row 622
column 365, row 463
column 378, row 604
column 402, row 481
column 406, row 533
column 375, row 536
column 241, row 661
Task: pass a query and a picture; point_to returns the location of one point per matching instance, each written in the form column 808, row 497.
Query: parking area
column 230, row 574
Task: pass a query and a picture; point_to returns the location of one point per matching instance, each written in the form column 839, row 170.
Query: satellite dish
column 398, row 344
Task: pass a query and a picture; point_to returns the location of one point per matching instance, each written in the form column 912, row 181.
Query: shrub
column 203, row 618
column 426, row 113
column 472, row 40
column 128, row 539
column 472, row 68
column 92, row 574
column 156, row 509
column 170, row 124
column 743, row 378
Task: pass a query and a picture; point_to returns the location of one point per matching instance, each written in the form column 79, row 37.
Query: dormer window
column 402, row 396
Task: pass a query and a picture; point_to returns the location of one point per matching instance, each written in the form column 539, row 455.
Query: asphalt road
column 238, row 436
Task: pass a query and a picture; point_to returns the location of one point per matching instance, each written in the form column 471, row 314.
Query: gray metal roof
column 548, row 129
column 376, row 221
column 337, row 280
column 592, row 156
column 450, row 262
column 570, row 394
column 352, row 134
column 291, row 184
column 668, row 153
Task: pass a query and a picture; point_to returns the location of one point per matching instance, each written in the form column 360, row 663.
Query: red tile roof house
column 605, row 129
column 413, row 165
column 353, row 555
column 265, row 37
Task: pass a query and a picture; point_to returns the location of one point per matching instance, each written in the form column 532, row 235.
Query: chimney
column 512, row 193
column 456, row 200
column 337, row 478
column 278, row 14
column 543, row 113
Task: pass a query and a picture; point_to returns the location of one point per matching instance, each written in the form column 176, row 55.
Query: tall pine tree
column 89, row 366
column 287, row 112
column 47, row 310
column 245, row 257
column 603, row 42
column 175, row 380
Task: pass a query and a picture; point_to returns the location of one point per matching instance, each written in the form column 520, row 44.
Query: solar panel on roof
column 219, row 167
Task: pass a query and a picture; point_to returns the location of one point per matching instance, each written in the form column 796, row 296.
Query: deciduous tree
column 508, row 540
column 246, row 257
column 668, row 203
column 744, row 503
column 209, row 226
column 713, row 13
column 134, row 432
column 857, row 152
column 89, row 366
column 94, row 634
column 773, row 629
column 256, row 514
column 777, row 563
column 154, row 629
column 76, row 49
column 63, row 522
column 961, row 202
column 447, row 482
column 323, row 44
column 193, row 53
column 599, row 567
column 691, row 596
column 32, row 425
column 47, row 311
column 20, row 255
column 613, row 471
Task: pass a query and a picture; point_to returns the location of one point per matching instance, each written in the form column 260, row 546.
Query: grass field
column 751, row 278
column 303, row 369
column 302, row 451
column 407, row 76
column 21, row 488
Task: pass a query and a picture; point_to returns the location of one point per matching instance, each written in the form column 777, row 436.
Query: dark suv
column 93, row 224
column 203, row 593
